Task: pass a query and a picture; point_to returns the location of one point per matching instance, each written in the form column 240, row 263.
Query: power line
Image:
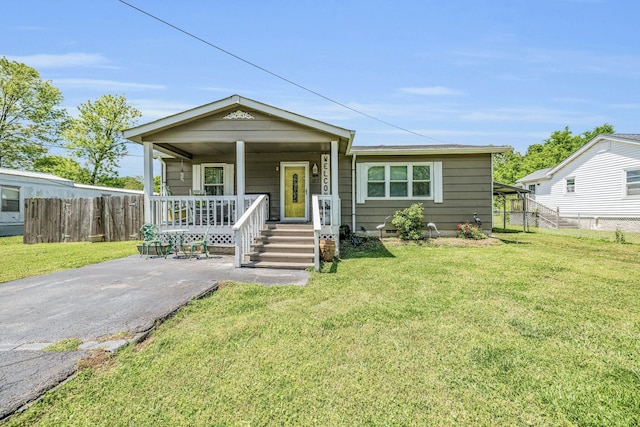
column 278, row 76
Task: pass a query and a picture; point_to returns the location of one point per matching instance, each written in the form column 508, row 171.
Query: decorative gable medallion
column 238, row 114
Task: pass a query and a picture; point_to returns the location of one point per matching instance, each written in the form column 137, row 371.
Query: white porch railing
column 325, row 214
column 249, row 226
column 317, row 228
column 324, row 209
column 177, row 211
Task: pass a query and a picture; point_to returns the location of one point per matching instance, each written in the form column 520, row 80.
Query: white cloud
column 517, row 78
column 533, row 115
column 153, row 109
column 569, row 100
column 106, row 84
column 431, row 91
column 552, row 61
column 66, row 60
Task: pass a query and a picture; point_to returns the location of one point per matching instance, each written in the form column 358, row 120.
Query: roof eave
column 426, row 150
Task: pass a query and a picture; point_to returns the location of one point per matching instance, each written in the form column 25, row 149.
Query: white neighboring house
column 16, row 186
column 601, row 179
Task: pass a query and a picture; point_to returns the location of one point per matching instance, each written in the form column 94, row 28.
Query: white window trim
column 198, row 176
column 625, row 183
column 435, row 181
column 14, row 188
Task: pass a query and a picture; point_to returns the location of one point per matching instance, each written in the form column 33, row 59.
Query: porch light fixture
column 182, row 170
column 314, row 169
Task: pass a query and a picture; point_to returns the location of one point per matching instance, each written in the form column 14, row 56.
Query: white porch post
column 335, row 204
column 148, row 180
column 240, row 178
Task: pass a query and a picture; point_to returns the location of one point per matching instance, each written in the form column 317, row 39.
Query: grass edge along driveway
column 529, row 330
column 20, row 260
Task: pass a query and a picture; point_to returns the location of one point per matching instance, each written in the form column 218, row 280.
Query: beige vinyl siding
column 344, row 188
column 467, row 188
column 261, row 176
column 177, row 187
column 215, row 128
column 466, row 183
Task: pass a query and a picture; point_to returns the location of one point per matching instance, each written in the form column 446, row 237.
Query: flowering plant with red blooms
column 470, row 231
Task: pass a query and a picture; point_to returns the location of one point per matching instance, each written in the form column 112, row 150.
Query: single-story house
column 601, row 179
column 237, row 161
column 16, row 186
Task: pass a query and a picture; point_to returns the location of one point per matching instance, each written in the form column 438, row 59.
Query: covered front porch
column 228, row 168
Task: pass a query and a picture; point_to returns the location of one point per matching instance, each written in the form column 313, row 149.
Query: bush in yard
column 470, row 231
column 408, row 222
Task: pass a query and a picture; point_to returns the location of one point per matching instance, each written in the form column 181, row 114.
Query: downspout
column 353, row 192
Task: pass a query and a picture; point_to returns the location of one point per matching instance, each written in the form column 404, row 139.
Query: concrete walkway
column 100, row 304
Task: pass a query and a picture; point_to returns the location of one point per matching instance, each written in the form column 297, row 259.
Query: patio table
column 175, row 237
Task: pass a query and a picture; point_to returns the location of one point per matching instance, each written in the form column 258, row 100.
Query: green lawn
column 530, row 330
column 19, row 260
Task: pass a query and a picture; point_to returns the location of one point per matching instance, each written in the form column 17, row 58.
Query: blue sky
column 501, row 72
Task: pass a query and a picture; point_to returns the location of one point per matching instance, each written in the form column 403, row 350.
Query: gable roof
column 136, row 133
column 627, row 138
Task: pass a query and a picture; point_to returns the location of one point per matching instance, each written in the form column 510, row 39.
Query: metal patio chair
column 201, row 243
column 151, row 237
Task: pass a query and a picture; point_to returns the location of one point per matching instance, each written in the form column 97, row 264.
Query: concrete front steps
column 288, row 246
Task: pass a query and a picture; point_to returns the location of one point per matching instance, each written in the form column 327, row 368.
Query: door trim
column 284, row 165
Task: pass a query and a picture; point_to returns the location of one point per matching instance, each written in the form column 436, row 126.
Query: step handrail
column 546, row 213
column 248, row 227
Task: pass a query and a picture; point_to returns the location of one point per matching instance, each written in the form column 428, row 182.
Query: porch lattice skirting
column 214, row 239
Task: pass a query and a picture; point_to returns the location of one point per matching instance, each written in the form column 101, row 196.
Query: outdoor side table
column 175, row 236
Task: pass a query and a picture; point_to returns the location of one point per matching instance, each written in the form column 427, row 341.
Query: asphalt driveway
column 99, row 304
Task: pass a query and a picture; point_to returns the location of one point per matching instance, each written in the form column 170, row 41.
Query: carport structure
column 503, row 190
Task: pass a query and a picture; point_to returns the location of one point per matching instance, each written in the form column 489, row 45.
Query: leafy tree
column 63, row 167
column 96, row 135
column 128, row 182
column 511, row 166
column 30, row 115
column 506, row 166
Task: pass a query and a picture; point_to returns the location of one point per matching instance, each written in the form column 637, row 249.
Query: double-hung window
column 397, row 181
column 376, row 181
column 633, row 182
column 214, row 179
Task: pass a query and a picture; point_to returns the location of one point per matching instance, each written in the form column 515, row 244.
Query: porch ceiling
column 190, row 149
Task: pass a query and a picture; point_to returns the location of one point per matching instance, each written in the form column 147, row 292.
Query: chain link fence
column 607, row 228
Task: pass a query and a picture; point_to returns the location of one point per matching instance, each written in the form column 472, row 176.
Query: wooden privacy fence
column 108, row 218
